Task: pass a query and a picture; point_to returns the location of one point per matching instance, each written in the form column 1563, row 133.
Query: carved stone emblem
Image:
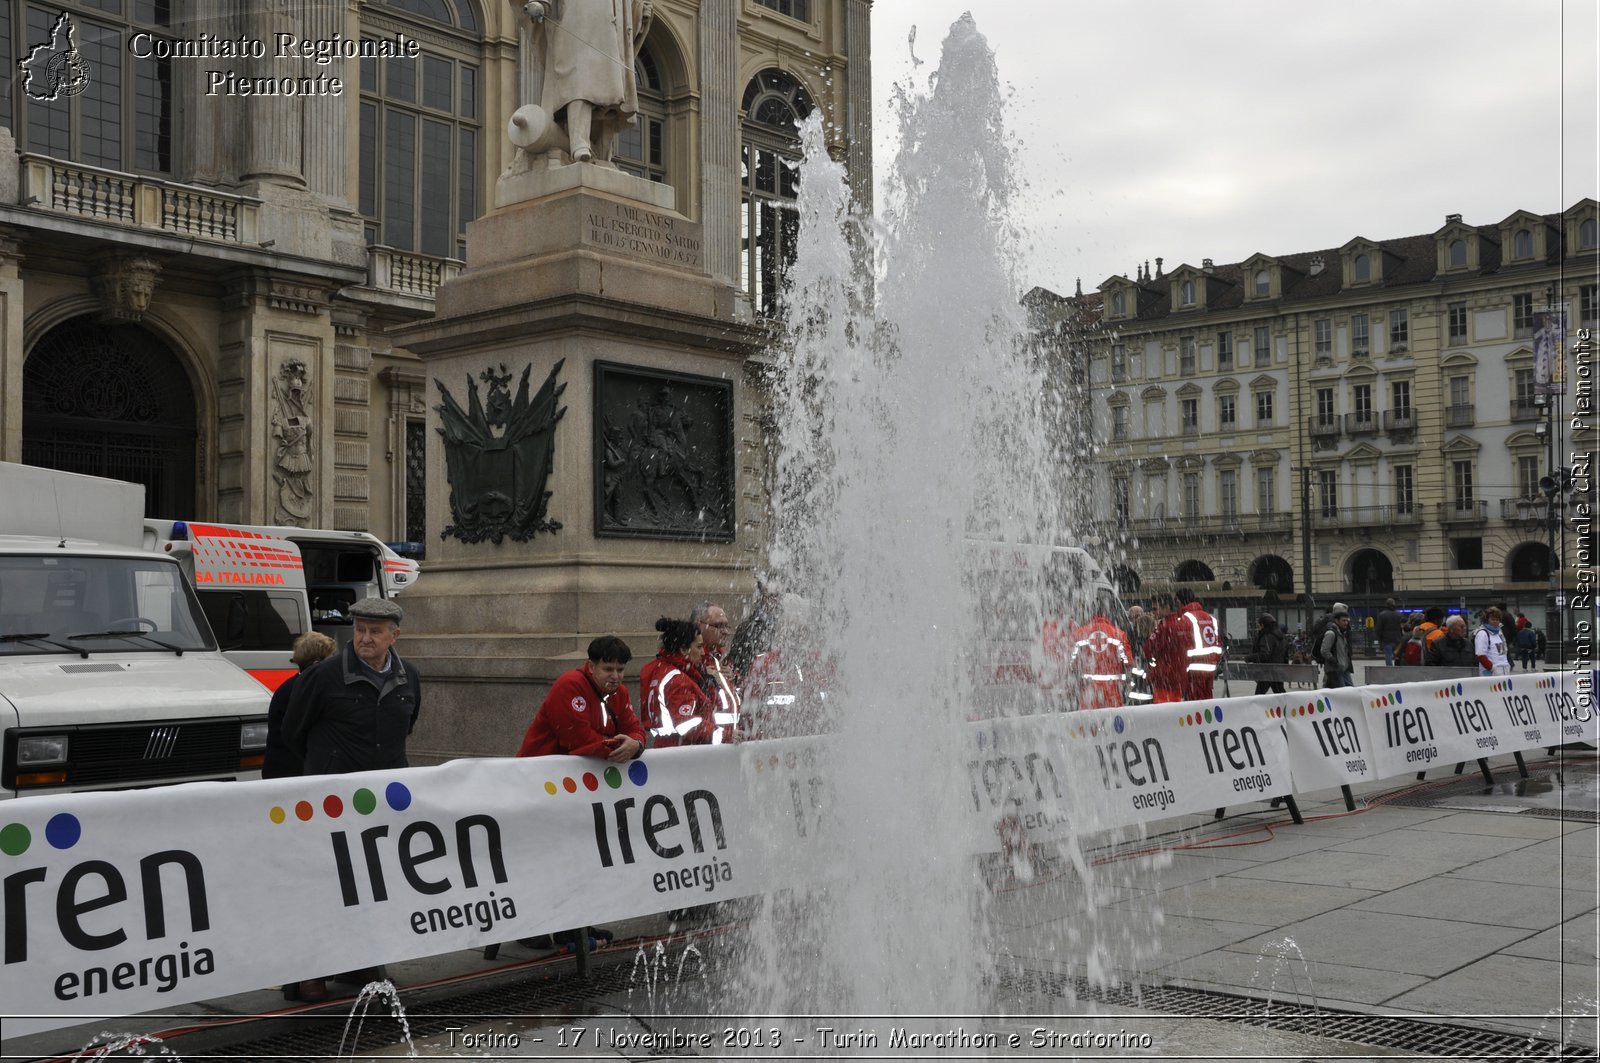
column 125, row 285
column 499, row 454
column 292, row 443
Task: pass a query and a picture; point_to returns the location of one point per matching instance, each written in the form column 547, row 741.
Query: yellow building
column 1371, row 414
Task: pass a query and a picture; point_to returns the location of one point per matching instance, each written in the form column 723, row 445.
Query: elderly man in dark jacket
column 1453, row 648
column 353, row 711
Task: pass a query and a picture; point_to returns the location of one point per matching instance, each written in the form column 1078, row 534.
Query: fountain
column 915, row 422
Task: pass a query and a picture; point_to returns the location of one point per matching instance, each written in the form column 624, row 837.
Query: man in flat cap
column 353, row 711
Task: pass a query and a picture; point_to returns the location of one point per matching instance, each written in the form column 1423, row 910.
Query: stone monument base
column 584, row 277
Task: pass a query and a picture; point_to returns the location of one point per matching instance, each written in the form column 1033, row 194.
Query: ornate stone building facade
column 1375, row 409
column 197, row 284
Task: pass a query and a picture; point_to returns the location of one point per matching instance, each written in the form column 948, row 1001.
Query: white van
column 262, row 586
column 109, row 674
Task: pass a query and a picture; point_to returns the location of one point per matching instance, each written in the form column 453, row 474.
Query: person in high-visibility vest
column 1167, row 649
column 711, row 620
column 1100, row 662
column 677, row 708
column 587, row 712
column 1204, row 652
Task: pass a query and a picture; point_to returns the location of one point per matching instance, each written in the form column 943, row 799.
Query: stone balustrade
column 135, row 200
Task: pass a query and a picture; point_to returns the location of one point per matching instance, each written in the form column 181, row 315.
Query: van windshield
column 52, row 603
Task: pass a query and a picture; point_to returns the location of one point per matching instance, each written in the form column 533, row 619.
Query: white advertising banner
column 115, row 903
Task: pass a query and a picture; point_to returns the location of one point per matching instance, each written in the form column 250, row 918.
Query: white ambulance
column 110, row 676
column 262, row 586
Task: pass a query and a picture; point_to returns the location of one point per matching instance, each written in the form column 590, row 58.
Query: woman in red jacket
column 676, row 707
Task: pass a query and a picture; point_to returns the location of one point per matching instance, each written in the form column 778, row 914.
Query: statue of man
column 588, row 48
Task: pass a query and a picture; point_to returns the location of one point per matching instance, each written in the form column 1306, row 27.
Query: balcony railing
column 408, row 273
column 1380, row 516
column 1191, row 428
column 1532, row 510
column 1271, row 522
column 1321, row 429
column 1397, row 421
column 1360, row 424
column 1460, row 416
column 1329, row 517
column 135, row 200
column 1464, row 511
column 1526, row 410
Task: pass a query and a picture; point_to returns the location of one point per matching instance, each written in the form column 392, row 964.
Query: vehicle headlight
column 253, row 734
column 38, row 750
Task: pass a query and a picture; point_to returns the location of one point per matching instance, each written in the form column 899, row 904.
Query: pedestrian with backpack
column 1489, row 644
column 1333, row 651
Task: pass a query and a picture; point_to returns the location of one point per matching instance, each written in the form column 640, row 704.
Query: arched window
column 1119, row 304
column 1369, row 572
column 1192, row 571
column 1522, row 244
column 116, row 110
column 421, row 122
column 1588, row 234
column 1529, row 563
column 1186, row 293
column 774, row 104
column 1263, row 282
column 1458, row 253
column 642, row 147
column 1361, row 269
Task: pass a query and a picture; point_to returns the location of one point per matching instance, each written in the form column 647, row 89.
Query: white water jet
column 913, row 417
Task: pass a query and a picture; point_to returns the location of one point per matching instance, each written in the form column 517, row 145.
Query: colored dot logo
column 332, row 806
column 589, row 782
column 63, row 831
column 1385, row 700
column 1117, row 724
column 1195, row 719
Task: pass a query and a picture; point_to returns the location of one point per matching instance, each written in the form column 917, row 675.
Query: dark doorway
column 1193, row 572
column 1371, row 573
column 112, row 400
column 1272, row 573
column 1530, row 563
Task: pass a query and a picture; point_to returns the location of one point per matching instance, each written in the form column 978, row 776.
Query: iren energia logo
column 656, row 822
column 97, row 905
column 420, row 851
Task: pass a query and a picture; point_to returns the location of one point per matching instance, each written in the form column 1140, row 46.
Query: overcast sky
column 1214, row 130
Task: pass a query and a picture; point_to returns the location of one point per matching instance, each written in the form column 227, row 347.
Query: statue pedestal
column 589, row 274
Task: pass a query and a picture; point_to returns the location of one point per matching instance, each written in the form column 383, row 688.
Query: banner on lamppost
column 1550, row 351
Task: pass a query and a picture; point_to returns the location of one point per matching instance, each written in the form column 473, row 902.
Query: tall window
column 1527, row 477
column 1265, row 493
column 1228, row 493
column 642, row 147
column 1119, row 303
column 1328, row 492
column 1263, row 409
column 1227, row 412
column 1361, row 269
column 1119, row 500
column 1186, row 355
column 1225, row 352
column 1589, row 303
column 1186, row 293
column 1189, row 412
column 1191, row 495
column 1588, row 234
column 1119, row 423
column 1457, row 313
column 1358, row 334
column 1522, row 388
column 1461, row 485
column 1405, row 490
column 421, row 122
column 1263, row 344
column 1325, row 414
column 1400, row 398
column 1399, row 328
column 1460, row 391
column 123, row 117
column 1322, row 332
column 1522, row 244
column 1522, row 313
column 774, row 104
column 1263, row 283
column 1361, row 400
column 1119, row 363
column 1457, row 255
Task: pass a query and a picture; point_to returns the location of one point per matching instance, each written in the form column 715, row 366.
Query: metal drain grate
column 1404, row 1034
column 1582, row 815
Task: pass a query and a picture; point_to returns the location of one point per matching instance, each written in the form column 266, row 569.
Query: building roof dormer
column 1461, row 247
column 1581, row 227
column 1525, row 239
column 1362, row 262
column 1263, row 277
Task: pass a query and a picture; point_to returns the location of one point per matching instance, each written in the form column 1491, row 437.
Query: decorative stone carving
column 664, row 451
column 125, row 285
column 300, row 298
column 499, row 455
column 292, row 452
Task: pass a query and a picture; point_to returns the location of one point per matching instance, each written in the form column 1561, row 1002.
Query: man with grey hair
column 711, row 620
column 353, row 711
